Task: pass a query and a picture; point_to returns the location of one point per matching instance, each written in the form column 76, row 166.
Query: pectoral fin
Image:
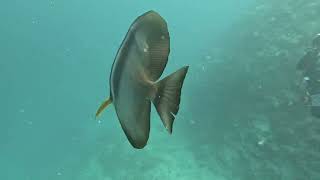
column 103, row 106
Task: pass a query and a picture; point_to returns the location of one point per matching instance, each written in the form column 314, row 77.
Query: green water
column 241, row 116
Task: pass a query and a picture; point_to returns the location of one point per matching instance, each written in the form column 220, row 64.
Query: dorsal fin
column 153, row 42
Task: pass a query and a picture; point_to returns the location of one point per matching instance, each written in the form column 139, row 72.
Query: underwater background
column 241, row 115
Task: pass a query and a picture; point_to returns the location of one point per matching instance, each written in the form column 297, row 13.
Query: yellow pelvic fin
column 103, row 106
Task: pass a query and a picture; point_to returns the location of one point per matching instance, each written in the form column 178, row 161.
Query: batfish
column 134, row 79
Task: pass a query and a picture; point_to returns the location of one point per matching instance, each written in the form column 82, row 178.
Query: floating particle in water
column 275, row 102
column 208, row 57
column 68, row 51
column 261, row 7
column 51, row 3
column 21, row 110
column 203, row 68
column 59, row 173
column 192, row 122
column 261, row 142
column 34, row 21
column 29, row 123
column 256, row 34
column 306, row 78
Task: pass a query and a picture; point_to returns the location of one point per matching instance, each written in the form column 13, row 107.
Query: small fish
column 138, row 65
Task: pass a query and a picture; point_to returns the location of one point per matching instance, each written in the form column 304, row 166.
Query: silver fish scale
column 315, row 100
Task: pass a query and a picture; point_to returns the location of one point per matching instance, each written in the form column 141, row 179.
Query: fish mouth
column 151, row 12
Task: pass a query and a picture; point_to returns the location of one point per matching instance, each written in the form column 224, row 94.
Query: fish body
column 139, row 63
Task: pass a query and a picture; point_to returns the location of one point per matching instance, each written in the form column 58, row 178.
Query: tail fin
column 167, row 97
